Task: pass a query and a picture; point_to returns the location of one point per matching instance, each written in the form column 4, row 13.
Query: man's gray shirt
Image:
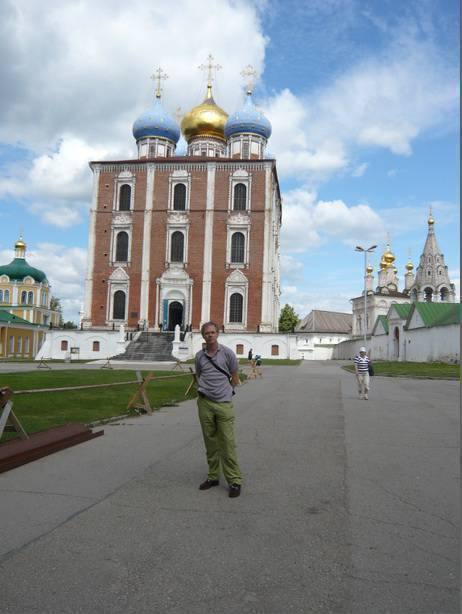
column 212, row 383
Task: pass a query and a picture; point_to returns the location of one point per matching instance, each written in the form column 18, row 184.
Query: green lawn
column 38, row 411
column 414, row 369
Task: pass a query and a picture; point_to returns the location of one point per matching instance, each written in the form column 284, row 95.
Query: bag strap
column 216, row 366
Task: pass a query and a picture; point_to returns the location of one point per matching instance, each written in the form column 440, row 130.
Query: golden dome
column 409, row 266
column 369, row 269
column 20, row 244
column 383, row 264
column 207, row 119
column 388, row 256
column 431, row 221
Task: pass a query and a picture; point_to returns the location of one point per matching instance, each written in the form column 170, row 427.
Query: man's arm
column 235, row 381
column 233, row 366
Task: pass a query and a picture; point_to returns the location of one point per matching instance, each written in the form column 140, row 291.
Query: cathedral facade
column 181, row 240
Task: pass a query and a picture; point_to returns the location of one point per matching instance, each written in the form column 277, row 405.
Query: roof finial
column 250, row 75
column 159, row 75
column 210, row 67
column 431, row 221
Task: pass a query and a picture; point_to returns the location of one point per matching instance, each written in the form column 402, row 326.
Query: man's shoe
column 366, row 397
column 208, row 484
column 234, row 490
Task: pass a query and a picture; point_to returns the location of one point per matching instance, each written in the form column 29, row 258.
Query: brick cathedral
column 183, row 239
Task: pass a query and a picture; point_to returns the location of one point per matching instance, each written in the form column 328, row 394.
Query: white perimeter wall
column 439, row 344
column 110, row 344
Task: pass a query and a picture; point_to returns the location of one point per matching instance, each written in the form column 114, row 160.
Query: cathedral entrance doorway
column 175, row 315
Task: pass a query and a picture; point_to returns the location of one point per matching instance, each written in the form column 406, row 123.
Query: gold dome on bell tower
column 388, row 256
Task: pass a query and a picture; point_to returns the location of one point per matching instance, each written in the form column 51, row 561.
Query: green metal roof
column 402, row 309
column 6, row 316
column 20, row 268
column 384, row 321
column 439, row 314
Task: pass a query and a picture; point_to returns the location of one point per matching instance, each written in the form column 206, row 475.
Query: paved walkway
column 348, row 506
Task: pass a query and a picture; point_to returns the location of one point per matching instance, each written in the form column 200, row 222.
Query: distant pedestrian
column 250, row 354
column 362, row 373
column 217, row 375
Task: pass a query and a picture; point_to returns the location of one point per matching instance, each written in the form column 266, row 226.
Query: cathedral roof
column 19, row 268
column 249, row 119
column 318, row 321
column 156, row 122
column 205, row 120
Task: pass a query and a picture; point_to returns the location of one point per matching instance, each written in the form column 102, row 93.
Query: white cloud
column 386, row 102
column 307, row 223
column 360, row 170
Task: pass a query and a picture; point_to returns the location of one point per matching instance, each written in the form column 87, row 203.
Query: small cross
column 159, row 75
column 210, row 67
column 250, row 75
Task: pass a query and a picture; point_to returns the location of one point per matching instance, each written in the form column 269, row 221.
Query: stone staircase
column 149, row 347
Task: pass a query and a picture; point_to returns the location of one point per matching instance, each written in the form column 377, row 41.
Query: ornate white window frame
column 124, row 177
column 239, row 176
column 119, row 280
column 121, row 222
column 238, row 283
column 177, row 221
column 238, row 222
column 179, row 176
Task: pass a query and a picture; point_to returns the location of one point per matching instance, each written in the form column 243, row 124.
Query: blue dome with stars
column 156, row 123
column 249, row 119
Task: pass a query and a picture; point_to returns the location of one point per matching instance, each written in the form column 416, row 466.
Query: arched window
column 96, row 346
column 30, row 298
column 179, row 197
column 239, row 349
column 428, row 295
column 237, row 247
column 64, row 346
column 240, row 197
column 1, row 296
column 23, row 297
column 122, row 247
column 125, row 195
column 444, row 294
column 118, row 309
column 274, row 350
column 177, row 247
column 235, row 307
column 6, row 296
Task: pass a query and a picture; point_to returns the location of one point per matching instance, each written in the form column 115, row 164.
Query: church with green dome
column 25, row 306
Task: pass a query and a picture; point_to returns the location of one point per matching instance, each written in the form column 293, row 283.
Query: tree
column 55, row 305
column 288, row 319
column 69, row 324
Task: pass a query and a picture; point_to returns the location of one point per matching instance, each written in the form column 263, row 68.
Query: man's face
column 362, row 354
column 210, row 334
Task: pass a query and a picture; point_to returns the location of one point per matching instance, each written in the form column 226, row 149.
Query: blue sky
column 362, row 97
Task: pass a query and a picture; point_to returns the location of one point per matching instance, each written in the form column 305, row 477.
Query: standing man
column 362, row 373
column 217, row 375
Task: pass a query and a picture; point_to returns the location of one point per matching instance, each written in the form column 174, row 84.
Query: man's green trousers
column 217, row 422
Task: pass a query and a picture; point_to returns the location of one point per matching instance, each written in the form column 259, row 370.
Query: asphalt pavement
column 348, row 506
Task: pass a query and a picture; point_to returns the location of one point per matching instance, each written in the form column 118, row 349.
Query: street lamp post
column 369, row 250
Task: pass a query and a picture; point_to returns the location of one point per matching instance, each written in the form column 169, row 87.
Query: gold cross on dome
column 159, row 75
column 250, row 75
column 210, row 67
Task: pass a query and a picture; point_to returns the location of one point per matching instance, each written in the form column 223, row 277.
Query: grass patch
column 42, row 410
column 413, row 369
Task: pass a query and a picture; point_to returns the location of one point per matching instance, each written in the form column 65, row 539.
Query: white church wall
column 440, row 344
column 111, row 343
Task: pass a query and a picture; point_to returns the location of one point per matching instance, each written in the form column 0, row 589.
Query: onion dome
column 369, row 269
column 388, row 256
column 409, row 266
column 19, row 268
column 156, row 123
column 249, row 119
column 205, row 120
column 383, row 264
